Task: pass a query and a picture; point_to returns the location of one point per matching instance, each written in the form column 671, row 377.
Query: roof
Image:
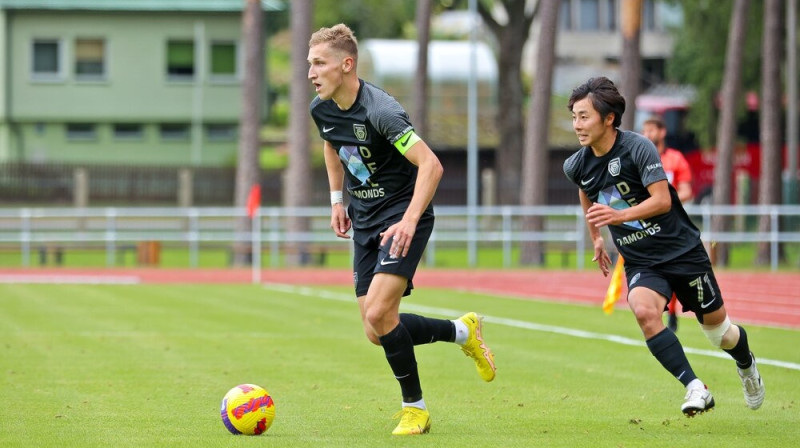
column 139, row 5
column 662, row 97
column 446, row 59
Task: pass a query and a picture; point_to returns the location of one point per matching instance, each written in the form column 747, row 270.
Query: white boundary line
column 331, row 295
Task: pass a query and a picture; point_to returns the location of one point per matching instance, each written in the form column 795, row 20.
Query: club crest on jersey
column 614, row 166
column 361, row 132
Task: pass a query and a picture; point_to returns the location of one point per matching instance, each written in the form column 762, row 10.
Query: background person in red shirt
column 679, row 175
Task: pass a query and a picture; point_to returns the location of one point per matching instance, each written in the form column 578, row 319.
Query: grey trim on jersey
column 643, row 152
column 385, row 113
column 619, row 178
column 379, row 178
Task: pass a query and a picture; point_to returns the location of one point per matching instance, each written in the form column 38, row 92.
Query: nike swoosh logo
column 384, row 262
column 405, row 142
column 706, row 305
column 584, row 182
column 324, row 129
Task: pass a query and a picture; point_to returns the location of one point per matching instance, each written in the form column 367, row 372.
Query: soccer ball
column 247, row 409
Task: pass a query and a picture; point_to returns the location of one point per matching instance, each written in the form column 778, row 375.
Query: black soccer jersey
column 380, row 179
column 619, row 179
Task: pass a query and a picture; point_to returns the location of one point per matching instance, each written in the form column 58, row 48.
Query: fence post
column 25, row 236
column 773, row 237
column 256, row 247
column 193, row 237
column 111, row 236
column 506, row 212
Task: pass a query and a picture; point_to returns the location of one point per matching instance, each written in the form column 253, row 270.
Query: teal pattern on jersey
column 352, row 158
column 613, row 198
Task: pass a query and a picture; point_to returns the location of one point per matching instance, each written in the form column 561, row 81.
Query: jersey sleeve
column 314, row 103
column 645, row 156
column 387, row 116
column 571, row 167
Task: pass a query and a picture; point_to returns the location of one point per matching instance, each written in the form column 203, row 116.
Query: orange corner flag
column 253, row 200
column 615, row 287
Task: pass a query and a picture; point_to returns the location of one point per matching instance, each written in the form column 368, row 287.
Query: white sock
column 417, row 404
column 695, row 384
column 462, row 332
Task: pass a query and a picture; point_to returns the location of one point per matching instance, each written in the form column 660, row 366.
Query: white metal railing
column 114, row 228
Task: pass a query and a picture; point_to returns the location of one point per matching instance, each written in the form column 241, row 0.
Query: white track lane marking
column 70, row 279
column 331, row 295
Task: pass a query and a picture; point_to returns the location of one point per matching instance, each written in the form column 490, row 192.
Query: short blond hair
column 340, row 37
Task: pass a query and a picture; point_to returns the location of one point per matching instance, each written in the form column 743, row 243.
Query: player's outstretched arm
column 340, row 223
column 600, row 253
column 428, row 176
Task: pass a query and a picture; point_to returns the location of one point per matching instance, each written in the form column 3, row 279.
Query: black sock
column 669, row 352
column 424, row 330
column 741, row 352
column 400, row 353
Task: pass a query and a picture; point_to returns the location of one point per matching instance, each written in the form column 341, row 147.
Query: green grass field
column 147, row 366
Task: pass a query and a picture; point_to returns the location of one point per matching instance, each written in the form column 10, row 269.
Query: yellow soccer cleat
column 412, row 421
column 476, row 348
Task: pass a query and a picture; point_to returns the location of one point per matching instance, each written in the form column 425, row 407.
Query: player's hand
column 340, row 223
column 401, row 234
column 601, row 256
column 600, row 215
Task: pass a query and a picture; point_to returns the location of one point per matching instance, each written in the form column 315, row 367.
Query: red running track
column 758, row 298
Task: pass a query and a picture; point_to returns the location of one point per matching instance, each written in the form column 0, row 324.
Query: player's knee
column 373, row 318
column 645, row 312
column 372, row 337
column 723, row 335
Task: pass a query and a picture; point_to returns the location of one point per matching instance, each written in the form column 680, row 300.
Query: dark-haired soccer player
column 622, row 185
column 392, row 176
column 679, row 175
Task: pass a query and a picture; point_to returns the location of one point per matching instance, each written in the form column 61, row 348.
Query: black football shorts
column 369, row 257
column 689, row 276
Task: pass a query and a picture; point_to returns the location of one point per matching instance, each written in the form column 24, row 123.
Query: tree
column 726, row 129
column 297, row 177
column 534, row 159
column 769, row 189
column 420, row 91
column 631, row 65
column 699, row 60
column 248, row 172
column 373, row 19
column 511, row 37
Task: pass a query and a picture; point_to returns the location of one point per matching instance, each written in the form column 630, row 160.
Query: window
column 223, row 59
column 611, row 15
column 46, row 59
column 174, row 131
column 649, row 16
column 589, row 15
column 565, row 15
column 90, row 59
column 221, row 131
column 180, row 59
column 81, row 131
column 128, row 131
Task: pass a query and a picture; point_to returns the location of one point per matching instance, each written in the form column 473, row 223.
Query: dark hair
column 655, row 121
column 605, row 98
